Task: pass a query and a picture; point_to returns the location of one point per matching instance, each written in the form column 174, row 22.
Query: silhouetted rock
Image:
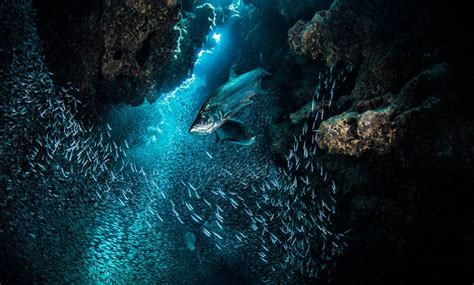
column 394, row 138
column 120, row 52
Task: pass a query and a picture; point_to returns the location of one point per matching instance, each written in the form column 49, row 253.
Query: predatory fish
column 227, row 100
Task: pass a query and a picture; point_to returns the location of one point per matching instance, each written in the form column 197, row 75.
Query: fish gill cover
column 103, row 189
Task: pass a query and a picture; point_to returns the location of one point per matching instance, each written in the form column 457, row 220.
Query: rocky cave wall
column 397, row 140
column 398, row 137
column 121, row 51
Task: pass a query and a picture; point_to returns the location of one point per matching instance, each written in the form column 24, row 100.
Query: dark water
column 113, row 201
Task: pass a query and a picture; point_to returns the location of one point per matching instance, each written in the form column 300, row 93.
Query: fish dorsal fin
column 232, row 73
column 259, row 90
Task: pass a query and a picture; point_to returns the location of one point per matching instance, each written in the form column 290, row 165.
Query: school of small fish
column 85, row 200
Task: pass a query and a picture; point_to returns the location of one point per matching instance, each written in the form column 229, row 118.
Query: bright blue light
column 211, row 56
column 216, row 37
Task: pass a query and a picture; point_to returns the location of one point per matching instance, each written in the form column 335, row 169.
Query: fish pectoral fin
column 218, row 138
column 246, row 102
column 260, row 91
column 247, row 142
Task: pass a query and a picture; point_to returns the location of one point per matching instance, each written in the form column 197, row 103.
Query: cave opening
column 233, row 141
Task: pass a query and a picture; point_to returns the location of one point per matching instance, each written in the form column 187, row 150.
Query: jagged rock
column 429, row 83
column 377, row 131
column 388, row 69
column 291, row 9
column 400, row 133
column 193, row 30
column 329, row 35
column 299, row 116
column 121, row 51
column 138, row 40
column 339, row 134
column 361, row 34
column 349, row 31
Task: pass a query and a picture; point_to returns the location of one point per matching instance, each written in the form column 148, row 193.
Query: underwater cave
column 235, row 142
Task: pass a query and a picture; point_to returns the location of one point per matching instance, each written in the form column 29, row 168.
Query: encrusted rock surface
column 398, row 139
column 138, row 40
column 350, row 30
column 399, row 136
column 193, row 29
column 120, row 51
column 377, row 130
column 291, row 9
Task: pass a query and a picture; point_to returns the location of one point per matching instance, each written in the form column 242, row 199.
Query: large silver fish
column 227, row 100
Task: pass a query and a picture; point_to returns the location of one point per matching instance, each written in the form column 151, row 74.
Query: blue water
column 182, row 168
column 112, row 201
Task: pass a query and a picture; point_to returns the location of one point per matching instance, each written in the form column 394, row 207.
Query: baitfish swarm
column 296, row 205
column 88, row 202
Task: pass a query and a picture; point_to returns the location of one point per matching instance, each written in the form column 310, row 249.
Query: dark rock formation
column 262, row 37
column 120, row 52
column 291, row 9
column 348, row 31
column 396, row 138
column 377, row 130
column 193, row 30
column 394, row 53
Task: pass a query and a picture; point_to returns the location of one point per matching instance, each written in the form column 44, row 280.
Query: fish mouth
column 201, row 129
column 193, row 130
column 205, row 127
